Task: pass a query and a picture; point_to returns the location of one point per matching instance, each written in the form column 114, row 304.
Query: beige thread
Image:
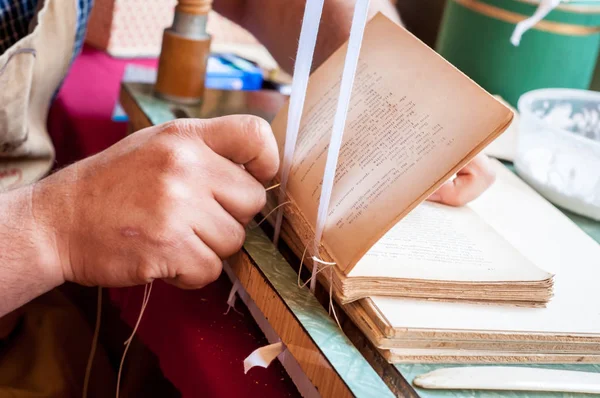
column 269, row 214
column 88, row 368
column 328, row 265
column 147, row 291
column 272, row 187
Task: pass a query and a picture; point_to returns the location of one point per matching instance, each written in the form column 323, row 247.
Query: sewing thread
column 328, row 265
column 88, row 368
column 147, row 291
column 269, row 213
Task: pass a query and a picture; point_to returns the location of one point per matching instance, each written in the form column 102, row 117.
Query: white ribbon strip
column 232, row 297
column 263, row 356
column 339, row 122
column 304, row 57
column 543, row 9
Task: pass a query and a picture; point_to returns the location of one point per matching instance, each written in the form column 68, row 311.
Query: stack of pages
column 567, row 330
column 424, row 281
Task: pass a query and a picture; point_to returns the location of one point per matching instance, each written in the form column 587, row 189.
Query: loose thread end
column 269, row 214
column 272, row 187
column 88, row 369
column 145, row 299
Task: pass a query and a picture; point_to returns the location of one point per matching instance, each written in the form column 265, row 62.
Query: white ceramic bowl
column 558, row 147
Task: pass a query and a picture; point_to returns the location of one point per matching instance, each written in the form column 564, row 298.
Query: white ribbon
column 232, row 297
column 543, row 9
column 304, row 57
column 359, row 21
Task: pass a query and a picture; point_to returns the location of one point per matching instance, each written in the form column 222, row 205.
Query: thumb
column 243, row 139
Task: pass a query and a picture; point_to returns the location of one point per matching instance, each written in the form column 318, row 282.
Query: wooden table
column 337, row 364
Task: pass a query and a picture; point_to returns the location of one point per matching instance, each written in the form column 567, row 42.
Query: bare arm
column 276, row 24
column 168, row 202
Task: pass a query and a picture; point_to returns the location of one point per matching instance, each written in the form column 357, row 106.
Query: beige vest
column 30, row 72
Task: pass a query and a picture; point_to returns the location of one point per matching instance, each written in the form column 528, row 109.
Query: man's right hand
column 168, row 202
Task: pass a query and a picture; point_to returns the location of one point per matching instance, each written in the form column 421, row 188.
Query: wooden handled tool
column 184, row 54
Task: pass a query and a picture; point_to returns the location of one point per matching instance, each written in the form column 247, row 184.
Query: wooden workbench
column 338, row 364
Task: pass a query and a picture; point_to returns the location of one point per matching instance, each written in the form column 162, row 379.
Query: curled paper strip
column 263, row 356
column 543, row 9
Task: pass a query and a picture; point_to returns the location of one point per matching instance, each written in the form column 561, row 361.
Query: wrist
column 27, row 243
column 51, row 216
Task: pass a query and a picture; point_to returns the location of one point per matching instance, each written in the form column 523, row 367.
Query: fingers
column 243, row 139
column 470, row 182
column 223, row 234
column 237, row 192
column 201, row 268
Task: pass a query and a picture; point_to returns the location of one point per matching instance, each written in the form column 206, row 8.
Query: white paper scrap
column 263, row 356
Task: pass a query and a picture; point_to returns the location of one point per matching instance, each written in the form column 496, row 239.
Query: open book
column 414, row 120
column 566, row 330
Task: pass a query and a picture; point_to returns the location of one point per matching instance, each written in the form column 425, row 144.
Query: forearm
column 277, row 23
column 27, row 258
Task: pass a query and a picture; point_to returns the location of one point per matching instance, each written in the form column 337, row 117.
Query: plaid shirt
column 15, row 16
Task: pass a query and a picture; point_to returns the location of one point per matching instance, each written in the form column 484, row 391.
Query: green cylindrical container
column 560, row 51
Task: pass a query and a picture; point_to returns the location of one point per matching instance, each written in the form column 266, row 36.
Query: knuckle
column 213, row 269
column 145, row 272
column 273, row 167
column 237, row 236
column 255, row 129
column 258, row 199
column 180, row 127
column 169, row 191
column 171, row 127
column 174, row 157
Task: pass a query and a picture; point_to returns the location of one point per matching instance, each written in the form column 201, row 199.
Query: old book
column 443, row 340
column 566, row 330
column 414, row 121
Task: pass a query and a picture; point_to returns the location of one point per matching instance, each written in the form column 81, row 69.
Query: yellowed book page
column 413, row 119
column 546, row 237
column 438, row 242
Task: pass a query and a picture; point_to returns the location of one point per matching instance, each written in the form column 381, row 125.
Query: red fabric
column 200, row 349
column 80, row 118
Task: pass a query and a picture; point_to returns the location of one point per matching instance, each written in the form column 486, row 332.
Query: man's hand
column 167, row 202
column 470, row 182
